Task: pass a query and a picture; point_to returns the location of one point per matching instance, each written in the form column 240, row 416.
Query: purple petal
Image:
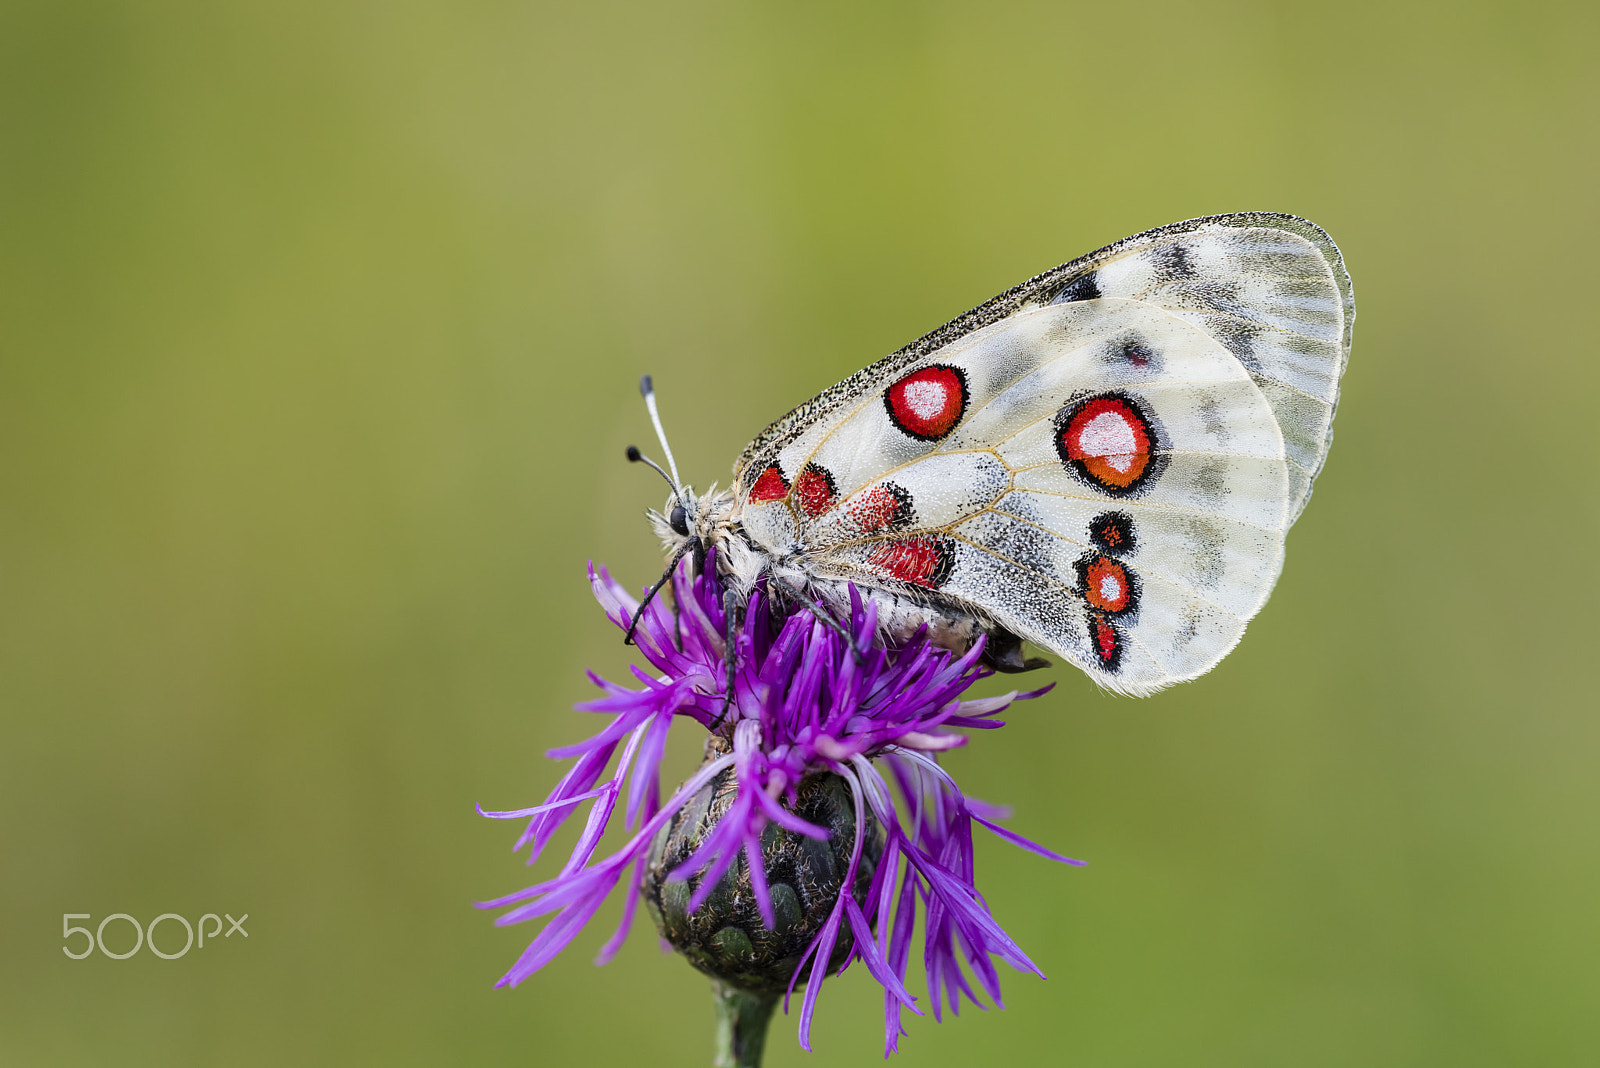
column 1033, row 847
column 550, row 806
column 629, row 906
column 647, row 770
column 868, row 948
column 823, row 944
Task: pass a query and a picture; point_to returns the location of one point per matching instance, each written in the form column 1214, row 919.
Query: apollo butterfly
column 1103, row 461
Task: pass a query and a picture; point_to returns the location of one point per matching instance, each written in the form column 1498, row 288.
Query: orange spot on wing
column 1106, row 584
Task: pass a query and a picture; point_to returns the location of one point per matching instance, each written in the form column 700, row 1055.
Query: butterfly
column 1102, row 461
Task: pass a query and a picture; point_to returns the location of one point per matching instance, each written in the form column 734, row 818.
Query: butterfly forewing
column 1104, row 461
column 1276, row 296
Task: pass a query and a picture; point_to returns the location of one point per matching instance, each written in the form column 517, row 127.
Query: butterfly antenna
column 647, row 390
column 635, row 456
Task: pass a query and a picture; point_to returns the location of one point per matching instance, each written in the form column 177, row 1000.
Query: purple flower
column 807, row 701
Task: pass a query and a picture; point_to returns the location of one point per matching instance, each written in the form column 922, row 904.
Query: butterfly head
column 694, row 522
column 681, row 508
column 688, row 522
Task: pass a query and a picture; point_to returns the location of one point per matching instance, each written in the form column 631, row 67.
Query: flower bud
column 726, row 937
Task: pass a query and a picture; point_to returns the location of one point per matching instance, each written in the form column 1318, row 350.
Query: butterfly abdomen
column 901, row 615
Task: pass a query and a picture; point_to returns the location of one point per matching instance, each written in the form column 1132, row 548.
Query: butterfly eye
column 678, row 520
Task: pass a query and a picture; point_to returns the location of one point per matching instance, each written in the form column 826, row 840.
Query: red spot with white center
column 1106, row 585
column 922, row 561
column 927, row 404
column 814, row 491
column 1108, row 440
column 770, row 486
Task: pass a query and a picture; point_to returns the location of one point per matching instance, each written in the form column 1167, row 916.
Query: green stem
column 742, row 1019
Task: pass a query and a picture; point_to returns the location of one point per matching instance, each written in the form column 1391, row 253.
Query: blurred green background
column 319, row 332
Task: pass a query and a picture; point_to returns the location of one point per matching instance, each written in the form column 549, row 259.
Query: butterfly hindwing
column 1095, row 461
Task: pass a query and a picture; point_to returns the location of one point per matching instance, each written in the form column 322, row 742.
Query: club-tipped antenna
column 635, row 456
column 647, row 390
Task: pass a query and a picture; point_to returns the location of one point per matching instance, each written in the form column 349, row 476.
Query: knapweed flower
column 819, row 823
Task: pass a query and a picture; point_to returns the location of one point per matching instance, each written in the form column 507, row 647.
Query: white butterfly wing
column 1273, row 290
column 1086, row 461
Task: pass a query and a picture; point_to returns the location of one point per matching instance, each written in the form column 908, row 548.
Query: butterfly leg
column 1003, row 652
column 823, row 615
column 672, row 565
column 733, row 609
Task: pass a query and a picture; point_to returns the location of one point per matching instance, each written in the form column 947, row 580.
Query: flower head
column 825, row 721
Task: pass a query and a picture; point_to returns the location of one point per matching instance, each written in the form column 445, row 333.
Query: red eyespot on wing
column 814, row 490
column 921, row 561
column 1106, row 584
column 927, row 404
column 1106, row 642
column 883, row 507
column 1108, row 441
column 770, row 486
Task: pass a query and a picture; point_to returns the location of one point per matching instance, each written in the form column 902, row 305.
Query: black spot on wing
column 1131, row 352
column 1113, row 532
column 1171, row 262
column 1238, row 337
column 1211, row 482
column 1202, row 540
column 1188, row 626
column 1083, row 287
column 1213, row 417
column 1137, row 354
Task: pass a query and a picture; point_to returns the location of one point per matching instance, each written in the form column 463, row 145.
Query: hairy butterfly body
column 1103, row 461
